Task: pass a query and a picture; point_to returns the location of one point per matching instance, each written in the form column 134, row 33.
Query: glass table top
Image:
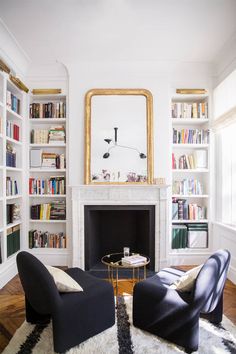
column 114, row 260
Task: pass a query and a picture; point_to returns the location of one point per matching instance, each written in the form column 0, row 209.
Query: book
column 133, row 260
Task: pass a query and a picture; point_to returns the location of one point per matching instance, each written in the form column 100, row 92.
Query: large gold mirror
column 118, row 136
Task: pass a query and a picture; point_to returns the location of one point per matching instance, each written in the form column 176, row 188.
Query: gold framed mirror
column 118, row 136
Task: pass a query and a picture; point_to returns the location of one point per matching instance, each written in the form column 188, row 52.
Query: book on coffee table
column 133, row 260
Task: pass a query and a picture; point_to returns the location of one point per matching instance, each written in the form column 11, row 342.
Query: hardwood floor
column 12, row 312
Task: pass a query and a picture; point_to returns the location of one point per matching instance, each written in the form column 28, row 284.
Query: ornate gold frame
column 149, row 120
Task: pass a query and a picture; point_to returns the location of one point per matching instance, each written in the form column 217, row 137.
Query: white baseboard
column 232, row 274
column 8, row 271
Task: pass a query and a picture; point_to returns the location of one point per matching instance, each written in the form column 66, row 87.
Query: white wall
column 158, row 77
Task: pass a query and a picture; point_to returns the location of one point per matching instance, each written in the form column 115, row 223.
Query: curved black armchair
column 75, row 316
column 174, row 315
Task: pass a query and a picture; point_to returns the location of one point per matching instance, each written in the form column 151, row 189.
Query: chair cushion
column 63, row 281
column 186, row 281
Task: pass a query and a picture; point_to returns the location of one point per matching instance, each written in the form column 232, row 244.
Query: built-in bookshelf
column 190, row 174
column 47, row 178
column 12, row 125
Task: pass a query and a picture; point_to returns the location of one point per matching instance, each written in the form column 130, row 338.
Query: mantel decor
column 129, row 158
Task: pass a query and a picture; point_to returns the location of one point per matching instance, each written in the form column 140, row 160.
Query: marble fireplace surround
column 119, row 195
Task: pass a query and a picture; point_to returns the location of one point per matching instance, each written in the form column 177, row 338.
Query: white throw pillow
column 186, row 282
column 63, row 281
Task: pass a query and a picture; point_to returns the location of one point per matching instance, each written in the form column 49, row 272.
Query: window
column 226, row 174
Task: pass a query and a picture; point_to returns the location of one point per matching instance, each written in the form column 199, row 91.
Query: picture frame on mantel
column 118, row 136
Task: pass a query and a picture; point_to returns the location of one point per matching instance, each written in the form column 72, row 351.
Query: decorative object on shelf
column 4, row 67
column 187, row 91
column 16, row 81
column 131, row 110
column 47, row 91
column 159, row 181
column 115, row 144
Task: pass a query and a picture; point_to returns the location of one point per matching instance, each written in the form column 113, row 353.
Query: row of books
column 190, row 136
column 45, row 239
column 189, row 110
column 10, row 155
column 13, row 130
column 53, row 185
column 53, row 135
column 189, row 236
column 11, row 186
column 13, row 102
column 49, row 211
column 13, row 240
column 187, row 186
column 191, row 161
column 48, row 110
column 13, row 213
column 183, row 210
column 39, row 136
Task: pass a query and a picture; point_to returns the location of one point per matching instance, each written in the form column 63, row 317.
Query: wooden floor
column 12, row 312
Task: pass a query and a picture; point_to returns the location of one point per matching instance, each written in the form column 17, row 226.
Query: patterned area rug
column 123, row 338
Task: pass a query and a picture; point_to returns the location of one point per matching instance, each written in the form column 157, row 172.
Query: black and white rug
column 124, row 338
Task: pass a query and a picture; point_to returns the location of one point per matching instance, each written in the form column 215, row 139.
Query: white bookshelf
column 7, row 115
column 201, row 175
column 54, row 256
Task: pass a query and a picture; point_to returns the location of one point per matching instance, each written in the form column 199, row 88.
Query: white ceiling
column 178, row 30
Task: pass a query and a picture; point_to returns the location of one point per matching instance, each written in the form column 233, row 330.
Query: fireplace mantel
column 120, row 195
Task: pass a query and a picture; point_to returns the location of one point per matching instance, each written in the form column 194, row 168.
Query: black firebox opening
column 110, row 228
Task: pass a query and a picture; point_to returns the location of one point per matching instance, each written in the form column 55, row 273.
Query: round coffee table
column 114, row 263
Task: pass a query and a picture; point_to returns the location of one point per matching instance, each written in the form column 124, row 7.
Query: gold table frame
column 111, row 266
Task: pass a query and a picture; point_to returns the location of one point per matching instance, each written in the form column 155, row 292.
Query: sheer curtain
column 226, row 174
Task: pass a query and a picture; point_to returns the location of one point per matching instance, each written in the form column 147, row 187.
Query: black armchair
column 75, row 316
column 174, row 315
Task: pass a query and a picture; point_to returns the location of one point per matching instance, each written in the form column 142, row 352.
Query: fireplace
column 98, row 205
column 109, row 228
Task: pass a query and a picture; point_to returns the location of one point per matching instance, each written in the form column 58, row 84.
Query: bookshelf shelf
column 14, row 114
column 48, row 145
column 47, row 170
column 189, row 170
column 190, row 196
column 15, row 169
column 11, row 140
column 186, row 221
column 190, row 146
column 47, row 195
column 48, row 221
column 47, row 120
column 190, row 123
column 10, row 197
column 13, row 224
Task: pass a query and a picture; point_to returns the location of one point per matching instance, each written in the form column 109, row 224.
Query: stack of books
column 58, row 210
column 133, row 260
column 53, row 160
column 57, row 135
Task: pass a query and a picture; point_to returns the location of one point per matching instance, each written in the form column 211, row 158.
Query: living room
column 117, row 125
